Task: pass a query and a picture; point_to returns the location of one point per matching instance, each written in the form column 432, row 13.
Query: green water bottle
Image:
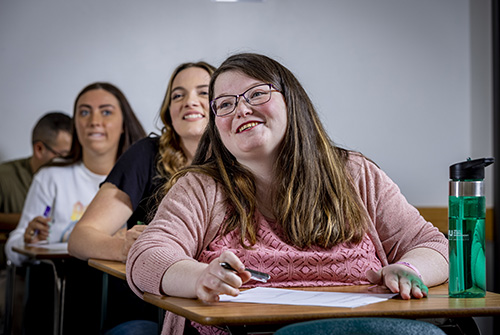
column 466, row 215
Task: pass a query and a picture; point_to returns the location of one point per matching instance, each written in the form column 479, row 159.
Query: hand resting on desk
column 130, row 236
column 399, row 279
column 403, row 279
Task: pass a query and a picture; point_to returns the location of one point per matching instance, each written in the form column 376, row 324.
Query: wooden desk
column 231, row 314
column 56, row 259
column 118, row 270
column 38, row 253
column 113, row 268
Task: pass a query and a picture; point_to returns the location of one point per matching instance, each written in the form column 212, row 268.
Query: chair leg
column 467, row 326
column 456, row 326
column 9, row 297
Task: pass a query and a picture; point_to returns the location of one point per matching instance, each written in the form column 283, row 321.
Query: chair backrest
column 355, row 326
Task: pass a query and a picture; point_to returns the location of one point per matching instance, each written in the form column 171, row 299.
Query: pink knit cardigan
column 189, row 217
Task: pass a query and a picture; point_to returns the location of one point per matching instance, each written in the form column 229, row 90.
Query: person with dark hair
column 104, row 126
column 131, row 128
column 50, row 138
column 268, row 189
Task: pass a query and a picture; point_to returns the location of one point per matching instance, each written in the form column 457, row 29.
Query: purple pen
column 45, row 215
column 47, row 212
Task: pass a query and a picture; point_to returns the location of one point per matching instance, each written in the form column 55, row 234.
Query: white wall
column 395, row 79
column 481, row 86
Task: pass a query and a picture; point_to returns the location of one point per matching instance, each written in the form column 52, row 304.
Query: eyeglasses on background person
column 55, row 152
column 254, row 96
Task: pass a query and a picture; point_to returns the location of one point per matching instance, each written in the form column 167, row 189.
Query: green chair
column 358, row 326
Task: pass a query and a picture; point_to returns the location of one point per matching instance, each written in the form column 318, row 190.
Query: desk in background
column 243, row 317
column 53, row 257
column 40, row 253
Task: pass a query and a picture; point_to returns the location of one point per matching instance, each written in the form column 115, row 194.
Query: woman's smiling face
column 189, row 106
column 250, row 133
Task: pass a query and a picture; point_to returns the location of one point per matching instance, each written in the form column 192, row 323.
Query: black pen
column 255, row 275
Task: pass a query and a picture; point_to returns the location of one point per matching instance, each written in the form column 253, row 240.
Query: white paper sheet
column 268, row 295
column 63, row 246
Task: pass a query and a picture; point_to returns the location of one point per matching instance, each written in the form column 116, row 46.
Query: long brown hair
column 132, row 128
column 171, row 156
column 314, row 197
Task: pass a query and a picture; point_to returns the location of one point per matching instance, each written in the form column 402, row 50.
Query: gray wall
column 406, row 82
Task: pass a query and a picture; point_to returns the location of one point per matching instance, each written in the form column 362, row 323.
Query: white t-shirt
column 68, row 190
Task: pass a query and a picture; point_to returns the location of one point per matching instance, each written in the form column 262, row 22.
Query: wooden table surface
column 436, row 305
column 113, row 268
column 41, row 253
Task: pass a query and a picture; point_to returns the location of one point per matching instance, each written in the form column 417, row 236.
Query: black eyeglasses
column 256, row 95
column 55, row 152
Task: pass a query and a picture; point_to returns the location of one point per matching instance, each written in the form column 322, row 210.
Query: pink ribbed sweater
column 188, row 218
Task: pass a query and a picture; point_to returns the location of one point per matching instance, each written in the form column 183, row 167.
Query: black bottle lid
column 470, row 169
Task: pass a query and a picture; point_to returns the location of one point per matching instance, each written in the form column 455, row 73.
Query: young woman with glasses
column 269, row 190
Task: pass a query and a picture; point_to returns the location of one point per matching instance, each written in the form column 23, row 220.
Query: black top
column 135, row 174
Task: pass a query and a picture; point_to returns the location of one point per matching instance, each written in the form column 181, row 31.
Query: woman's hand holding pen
column 400, row 279
column 38, row 230
column 215, row 280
